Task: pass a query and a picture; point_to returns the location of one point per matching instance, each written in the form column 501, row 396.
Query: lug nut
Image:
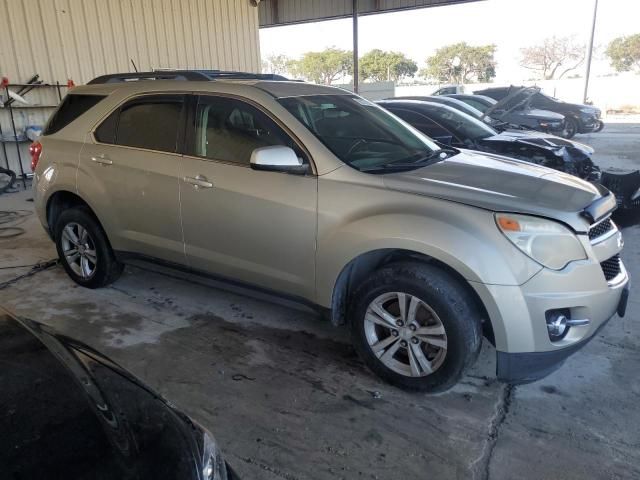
column 415, row 340
column 399, row 323
column 412, row 328
column 394, row 333
column 403, row 343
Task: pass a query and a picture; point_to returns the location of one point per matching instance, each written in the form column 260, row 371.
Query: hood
column 540, row 139
column 75, row 414
column 538, row 114
column 499, row 183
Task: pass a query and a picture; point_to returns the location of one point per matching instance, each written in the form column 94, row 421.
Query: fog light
column 557, row 324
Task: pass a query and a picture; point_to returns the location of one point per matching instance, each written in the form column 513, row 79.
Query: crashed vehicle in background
column 580, row 118
column 457, row 129
column 504, row 117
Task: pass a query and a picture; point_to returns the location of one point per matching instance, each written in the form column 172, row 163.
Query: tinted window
column 106, row 132
column 475, row 104
column 230, row 130
column 424, row 124
column 71, row 108
column 151, row 122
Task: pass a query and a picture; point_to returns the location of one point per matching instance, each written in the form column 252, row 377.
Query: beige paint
column 81, row 39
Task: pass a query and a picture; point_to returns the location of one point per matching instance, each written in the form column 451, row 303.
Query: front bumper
column 526, row 367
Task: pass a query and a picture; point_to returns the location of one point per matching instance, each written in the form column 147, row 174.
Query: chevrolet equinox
column 322, row 196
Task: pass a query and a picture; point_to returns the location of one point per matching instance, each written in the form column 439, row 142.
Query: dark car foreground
column 67, row 412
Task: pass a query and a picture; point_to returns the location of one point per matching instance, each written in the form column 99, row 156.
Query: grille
column 600, row 229
column 611, row 267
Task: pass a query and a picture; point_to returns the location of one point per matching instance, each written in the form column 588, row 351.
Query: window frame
column 189, row 136
column 180, row 135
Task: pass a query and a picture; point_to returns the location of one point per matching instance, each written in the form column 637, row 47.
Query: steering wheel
column 355, row 145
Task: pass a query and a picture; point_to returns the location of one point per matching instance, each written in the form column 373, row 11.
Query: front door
column 130, row 170
column 254, row 226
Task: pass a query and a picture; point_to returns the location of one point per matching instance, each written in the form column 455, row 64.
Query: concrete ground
column 287, row 398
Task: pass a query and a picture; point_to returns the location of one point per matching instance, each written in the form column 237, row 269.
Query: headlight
column 213, row 466
column 588, row 111
column 547, row 242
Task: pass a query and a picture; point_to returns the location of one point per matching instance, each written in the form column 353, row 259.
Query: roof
column 273, row 13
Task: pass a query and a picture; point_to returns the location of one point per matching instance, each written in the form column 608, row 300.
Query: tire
column 94, row 264
column 571, row 128
column 600, row 126
column 443, row 305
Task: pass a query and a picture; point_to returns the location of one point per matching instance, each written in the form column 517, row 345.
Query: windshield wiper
column 433, row 157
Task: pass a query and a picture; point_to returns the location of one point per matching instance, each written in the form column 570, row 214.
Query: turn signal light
column 35, row 150
column 508, row 224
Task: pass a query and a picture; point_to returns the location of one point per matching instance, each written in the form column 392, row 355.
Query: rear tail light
column 35, row 150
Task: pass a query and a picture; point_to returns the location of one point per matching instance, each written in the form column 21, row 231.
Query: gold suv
column 319, row 195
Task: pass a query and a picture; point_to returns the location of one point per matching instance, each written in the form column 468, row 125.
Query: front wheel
column 416, row 326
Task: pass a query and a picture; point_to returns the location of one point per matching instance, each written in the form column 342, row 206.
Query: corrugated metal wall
column 285, row 12
column 81, row 39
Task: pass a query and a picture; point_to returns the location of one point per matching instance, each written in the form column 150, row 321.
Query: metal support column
column 590, row 51
column 356, row 76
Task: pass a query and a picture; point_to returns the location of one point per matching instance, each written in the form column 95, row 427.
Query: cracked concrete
column 287, row 398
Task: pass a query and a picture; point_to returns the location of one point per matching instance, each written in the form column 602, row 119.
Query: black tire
column 452, row 303
column 106, row 268
column 600, row 126
column 570, row 128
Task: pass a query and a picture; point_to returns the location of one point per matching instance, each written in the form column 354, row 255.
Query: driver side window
column 229, row 130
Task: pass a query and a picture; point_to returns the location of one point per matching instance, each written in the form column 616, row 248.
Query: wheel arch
column 356, row 270
column 60, row 201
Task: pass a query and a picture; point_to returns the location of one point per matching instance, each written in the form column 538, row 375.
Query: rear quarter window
column 71, row 108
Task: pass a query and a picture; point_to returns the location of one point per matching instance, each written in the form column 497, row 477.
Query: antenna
column 134, row 65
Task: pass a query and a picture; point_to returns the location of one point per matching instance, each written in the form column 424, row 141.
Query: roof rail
column 184, row 75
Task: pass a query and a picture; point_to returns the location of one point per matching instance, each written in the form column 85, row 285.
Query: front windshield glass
column 360, row 133
column 463, row 125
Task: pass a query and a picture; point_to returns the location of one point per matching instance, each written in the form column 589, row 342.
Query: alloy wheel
column 405, row 334
column 79, row 250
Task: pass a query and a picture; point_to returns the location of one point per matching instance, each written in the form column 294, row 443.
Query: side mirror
column 277, row 159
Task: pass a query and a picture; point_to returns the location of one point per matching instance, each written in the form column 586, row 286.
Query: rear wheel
column 571, row 128
column 84, row 250
column 415, row 326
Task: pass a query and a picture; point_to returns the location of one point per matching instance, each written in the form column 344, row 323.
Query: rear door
column 129, row 170
column 258, row 227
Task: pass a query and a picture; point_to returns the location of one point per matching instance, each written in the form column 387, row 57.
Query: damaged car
column 454, row 128
column 579, row 118
column 512, row 113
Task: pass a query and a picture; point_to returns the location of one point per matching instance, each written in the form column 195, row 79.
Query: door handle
column 102, row 160
column 199, row 181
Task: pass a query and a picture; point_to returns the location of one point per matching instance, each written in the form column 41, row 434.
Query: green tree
column 276, row 64
column 554, row 58
column 461, row 63
column 381, row 66
column 624, row 53
column 323, row 67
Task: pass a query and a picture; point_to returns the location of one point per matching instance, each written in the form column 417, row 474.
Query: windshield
column 360, row 133
column 463, row 125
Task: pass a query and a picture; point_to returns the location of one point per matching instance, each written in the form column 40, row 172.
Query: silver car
column 318, row 195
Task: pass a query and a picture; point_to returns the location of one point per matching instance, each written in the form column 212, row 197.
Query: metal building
column 81, row 39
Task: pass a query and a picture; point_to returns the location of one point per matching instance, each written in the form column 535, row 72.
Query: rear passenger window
column 106, row 132
column 150, row 122
column 71, row 108
column 230, row 130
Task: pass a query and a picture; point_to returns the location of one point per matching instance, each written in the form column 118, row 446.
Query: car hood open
column 538, row 114
column 503, row 184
